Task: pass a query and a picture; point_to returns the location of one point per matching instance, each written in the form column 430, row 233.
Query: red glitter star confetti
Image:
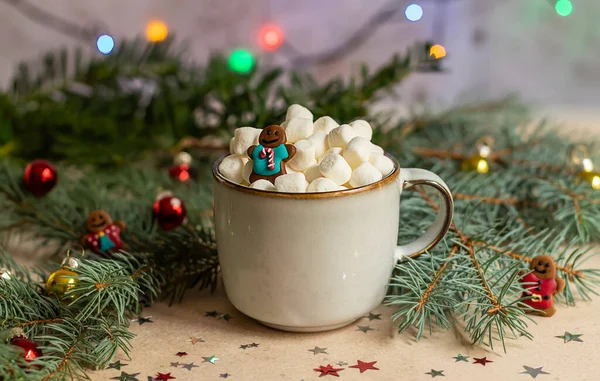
column 163, row 376
column 364, row 365
column 328, row 370
column 181, row 354
column 481, row 361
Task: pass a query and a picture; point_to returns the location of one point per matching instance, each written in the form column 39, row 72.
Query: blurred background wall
column 494, row 47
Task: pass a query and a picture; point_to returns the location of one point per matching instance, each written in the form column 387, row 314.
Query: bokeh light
column 105, row 44
column 437, row 51
column 156, row 31
column 241, row 61
column 564, row 7
column 413, row 12
column 270, row 37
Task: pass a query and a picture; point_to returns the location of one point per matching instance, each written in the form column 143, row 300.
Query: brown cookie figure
column 544, row 284
column 104, row 235
column 270, row 155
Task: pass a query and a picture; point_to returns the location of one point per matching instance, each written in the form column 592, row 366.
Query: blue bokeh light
column 413, row 12
column 105, row 44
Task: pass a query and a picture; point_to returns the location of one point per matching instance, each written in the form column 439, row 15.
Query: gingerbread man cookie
column 543, row 285
column 104, row 235
column 270, row 155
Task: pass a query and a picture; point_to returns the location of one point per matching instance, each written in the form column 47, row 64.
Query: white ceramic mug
column 309, row 262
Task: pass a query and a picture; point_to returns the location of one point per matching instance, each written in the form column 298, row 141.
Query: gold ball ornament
column 579, row 155
column 476, row 163
column 63, row 280
column 591, row 177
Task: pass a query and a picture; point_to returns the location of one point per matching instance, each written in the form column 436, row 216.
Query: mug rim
column 306, row 195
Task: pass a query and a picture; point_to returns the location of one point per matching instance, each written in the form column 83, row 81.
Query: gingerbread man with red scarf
column 542, row 285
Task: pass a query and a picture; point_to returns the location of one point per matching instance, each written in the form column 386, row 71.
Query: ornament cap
column 16, row 332
column 70, row 262
column 183, row 158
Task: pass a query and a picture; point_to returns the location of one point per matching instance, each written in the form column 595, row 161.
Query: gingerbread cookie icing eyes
column 270, row 155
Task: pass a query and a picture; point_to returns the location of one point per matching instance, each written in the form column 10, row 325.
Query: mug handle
column 410, row 177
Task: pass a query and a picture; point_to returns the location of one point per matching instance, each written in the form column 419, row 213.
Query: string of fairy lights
column 271, row 37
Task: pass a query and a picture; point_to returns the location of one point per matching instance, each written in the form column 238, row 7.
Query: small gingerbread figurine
column 104, row 235
column 270, row 155
column 543, row 285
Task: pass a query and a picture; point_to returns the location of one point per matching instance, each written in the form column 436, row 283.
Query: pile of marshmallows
column 329, row 157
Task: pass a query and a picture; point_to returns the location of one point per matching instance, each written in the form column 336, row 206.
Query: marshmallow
column 365, row 174
column 304, row 157
column 335, row 168
column 297, row 111
column 332, row 150
column 383, row 163
column 231, row 168
column 323, row 184
column 340, row 136
column 357, row 151
column 376, row 149
column 263, row 184
column 244, row 137
column 298, row 129
column 291, row 183
column 319, row 141
column 247, row 171
column 325, row 124
column 363, row 129
column 313, row 172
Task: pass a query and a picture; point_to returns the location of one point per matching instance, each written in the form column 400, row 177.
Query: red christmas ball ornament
column 40, row 177
column 181, row 172
column 270, row 37
column 169, row 212
column 30, row 348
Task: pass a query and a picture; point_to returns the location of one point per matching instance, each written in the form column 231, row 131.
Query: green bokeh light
column 564, row 7
column 241, row 61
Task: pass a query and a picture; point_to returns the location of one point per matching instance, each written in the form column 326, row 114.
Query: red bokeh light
column 271, row 37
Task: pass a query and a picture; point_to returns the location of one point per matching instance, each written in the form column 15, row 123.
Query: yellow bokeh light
column 437, row 51
column 596, row 182
column 156, row 31
column 482, row 166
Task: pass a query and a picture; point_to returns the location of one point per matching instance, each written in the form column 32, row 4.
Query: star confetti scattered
column 481, row 361
column 318, row 350
column 253, row 345
column 461, row 358
column 211, row 314
column 341, row 363
column 364, row 328
column 126, row 377
column 373, row 316
column 224, row 375
column 244, row 346
column 211, row 359
column 226, row 317
column 116, row 365
column 568, row 337
column 181, row 354
column 434, row 373
column 328, row 370
column 175, row 364
column 142, row 320
column 164, row 376
column 195, row 340
column 189, row 366
column 363, row 366
column 533, row 372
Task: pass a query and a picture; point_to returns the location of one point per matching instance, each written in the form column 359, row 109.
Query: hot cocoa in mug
column 306, row 260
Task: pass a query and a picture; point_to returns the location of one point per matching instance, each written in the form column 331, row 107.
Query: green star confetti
column 364, row 328
column 211, row 314
column 460, row 357
column 318, row 350
column 126, row 377
column 533, row 372
column 226, row 317
column 190, row 366
column 211, row 359
column 116, row 365
column 175, row 364
column 373, row 316
column 568, row 337
column 142, row 320
column 434, row 373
